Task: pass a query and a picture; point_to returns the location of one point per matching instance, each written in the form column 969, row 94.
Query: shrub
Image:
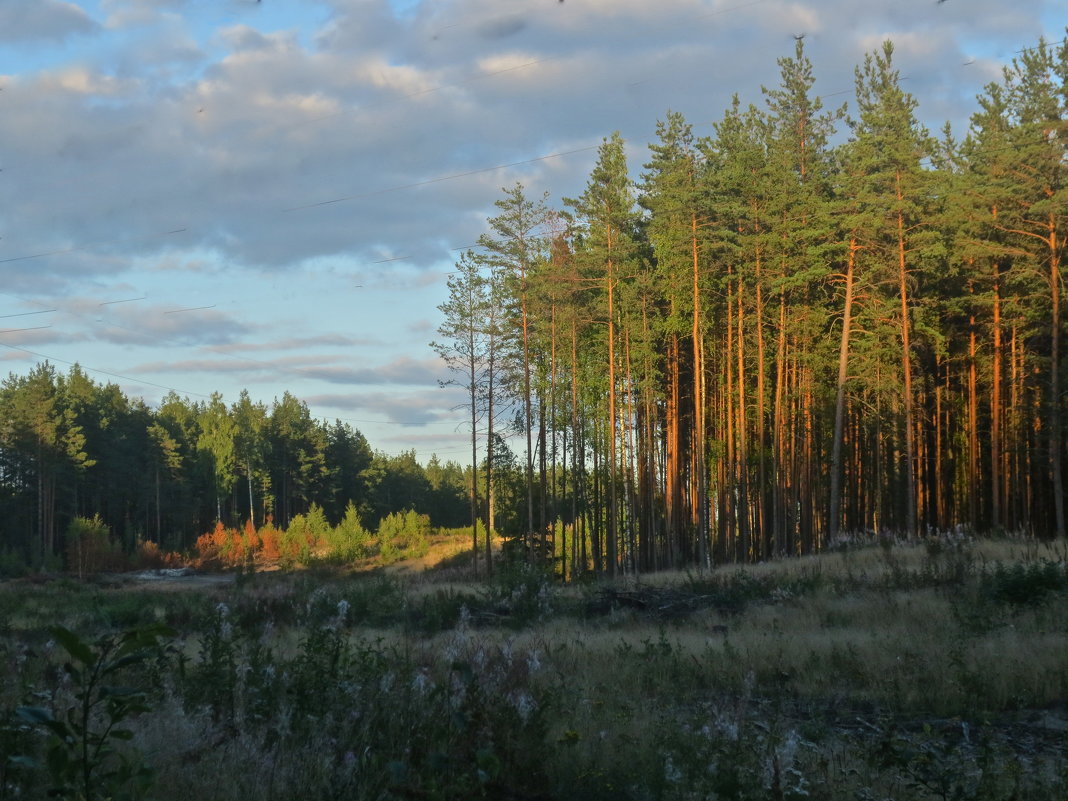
column 1024, row 584
column 349, row 541
column 305, row 535
column 90, row 548
column 82, row 756
column 403, row 534
column 150, row 556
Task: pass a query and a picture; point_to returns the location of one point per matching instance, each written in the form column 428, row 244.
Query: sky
column 216, row 195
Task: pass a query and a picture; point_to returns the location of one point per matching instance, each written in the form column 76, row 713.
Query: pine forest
column 812, row 324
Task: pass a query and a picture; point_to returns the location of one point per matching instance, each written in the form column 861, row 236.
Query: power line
column 102, row 372
column 77, row 248
column 15, row 330
column 27, row 314
column 192, row 308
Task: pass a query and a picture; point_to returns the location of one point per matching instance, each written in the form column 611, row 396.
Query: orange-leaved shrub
column 149, row 556
column 308, row 537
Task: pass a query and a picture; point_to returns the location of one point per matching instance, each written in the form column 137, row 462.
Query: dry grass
column 857, row 671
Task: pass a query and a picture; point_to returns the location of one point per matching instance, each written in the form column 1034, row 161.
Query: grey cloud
column 297, row 343
column 403, row 371
column 406, row 410
column 167, row 326
column 276, row 126
column 37, row 20
column 502, row 28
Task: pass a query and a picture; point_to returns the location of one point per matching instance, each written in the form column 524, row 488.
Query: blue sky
column 162, row 161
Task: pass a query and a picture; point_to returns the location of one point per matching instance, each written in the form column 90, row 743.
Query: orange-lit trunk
column 906, row 369
column 701, row 500
column 834, row 515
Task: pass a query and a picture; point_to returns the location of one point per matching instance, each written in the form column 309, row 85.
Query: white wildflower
column 544, row 607
column 672, row 774
column 386, row 682
column 523, row 704
column 480, row 658
column 421, row 682
column 452, row 651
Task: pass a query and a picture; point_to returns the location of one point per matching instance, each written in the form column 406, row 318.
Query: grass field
column 934, row 670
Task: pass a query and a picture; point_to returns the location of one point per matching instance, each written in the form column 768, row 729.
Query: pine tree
column 605, row 210
column 514, row 247
column 463, row 348
column 889, row 189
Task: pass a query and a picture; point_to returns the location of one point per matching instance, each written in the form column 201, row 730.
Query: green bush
column 349, row 540
column 403, row 535
column 90, row 548
column 1024, row 584
column 82, row 754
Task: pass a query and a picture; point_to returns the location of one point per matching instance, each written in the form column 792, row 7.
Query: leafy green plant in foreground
column 82, row 759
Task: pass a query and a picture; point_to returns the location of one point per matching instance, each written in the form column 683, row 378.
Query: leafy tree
column 216, row 447
column 672, row 194
column 250, row 446
column 298, row 464
column 41, row 428
column 395, row 484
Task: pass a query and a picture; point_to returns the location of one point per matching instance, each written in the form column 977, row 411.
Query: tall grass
column 927, row 671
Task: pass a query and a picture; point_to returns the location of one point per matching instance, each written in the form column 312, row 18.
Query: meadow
column 936, row 669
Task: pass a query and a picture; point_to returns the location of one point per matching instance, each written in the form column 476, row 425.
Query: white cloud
column 80, row 80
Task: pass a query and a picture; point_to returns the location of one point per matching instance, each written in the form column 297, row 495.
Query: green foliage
column 403, row 535
column 349, row 541
column 521, row 591
column 90, row 547
column 1024, row 584
column 82, row 754
column 12, row 563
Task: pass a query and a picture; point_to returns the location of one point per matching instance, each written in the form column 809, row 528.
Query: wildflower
column 544, row 607
column 672, row 774
column 386, row 683
column 523, row 704
column 464, row 621
column 421, row 682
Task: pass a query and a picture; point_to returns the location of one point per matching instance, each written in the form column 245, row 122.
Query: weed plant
column 930, row 670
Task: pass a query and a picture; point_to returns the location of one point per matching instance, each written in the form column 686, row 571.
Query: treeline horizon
column 773, row 337
column 73, row 448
